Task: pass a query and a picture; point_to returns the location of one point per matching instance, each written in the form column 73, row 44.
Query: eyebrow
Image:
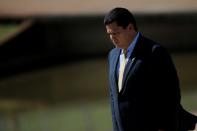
column 115, row 30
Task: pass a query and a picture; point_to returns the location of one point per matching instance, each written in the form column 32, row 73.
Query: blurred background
column 53, row 59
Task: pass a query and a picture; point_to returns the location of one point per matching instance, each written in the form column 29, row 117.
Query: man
column 144, row 87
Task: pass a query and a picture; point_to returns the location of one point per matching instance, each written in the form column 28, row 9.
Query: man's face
column 119, row 36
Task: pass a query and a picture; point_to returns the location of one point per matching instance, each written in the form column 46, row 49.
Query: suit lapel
column 114, row 69
column 132, row 60
column 128, row 67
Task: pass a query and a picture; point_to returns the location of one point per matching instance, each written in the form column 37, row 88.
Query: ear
column 130, row 26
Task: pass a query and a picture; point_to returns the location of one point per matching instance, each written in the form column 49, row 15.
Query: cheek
column 112, row 37
column 123, row 37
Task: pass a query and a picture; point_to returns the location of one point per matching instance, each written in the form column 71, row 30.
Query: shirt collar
column 131, row 46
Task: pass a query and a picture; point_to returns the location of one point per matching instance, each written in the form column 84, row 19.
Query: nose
column 112, row 37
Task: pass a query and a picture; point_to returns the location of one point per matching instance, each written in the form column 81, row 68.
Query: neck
column 132, row 36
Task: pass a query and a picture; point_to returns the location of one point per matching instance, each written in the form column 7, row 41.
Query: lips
column 115, row 41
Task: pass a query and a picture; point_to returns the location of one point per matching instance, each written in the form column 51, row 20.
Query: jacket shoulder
column 113, row 52
column 153, row 47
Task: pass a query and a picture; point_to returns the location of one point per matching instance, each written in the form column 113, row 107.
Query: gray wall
column 53, row 40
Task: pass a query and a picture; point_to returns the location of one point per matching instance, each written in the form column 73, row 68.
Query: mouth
column 115, row 41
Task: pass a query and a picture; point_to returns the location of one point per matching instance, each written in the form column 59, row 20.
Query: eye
column 114, row 33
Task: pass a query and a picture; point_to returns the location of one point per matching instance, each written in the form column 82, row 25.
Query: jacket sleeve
column 167, row 87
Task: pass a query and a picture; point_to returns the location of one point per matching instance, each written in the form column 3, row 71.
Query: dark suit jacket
column 150, row 97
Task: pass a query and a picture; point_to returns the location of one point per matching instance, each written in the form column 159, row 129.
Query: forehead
column 113, row 27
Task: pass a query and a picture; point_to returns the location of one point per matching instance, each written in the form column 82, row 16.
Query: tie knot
column 125, row 53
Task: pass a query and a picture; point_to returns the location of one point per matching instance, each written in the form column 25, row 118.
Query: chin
column 117, row 45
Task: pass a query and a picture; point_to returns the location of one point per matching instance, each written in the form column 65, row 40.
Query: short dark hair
column 122, row 16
